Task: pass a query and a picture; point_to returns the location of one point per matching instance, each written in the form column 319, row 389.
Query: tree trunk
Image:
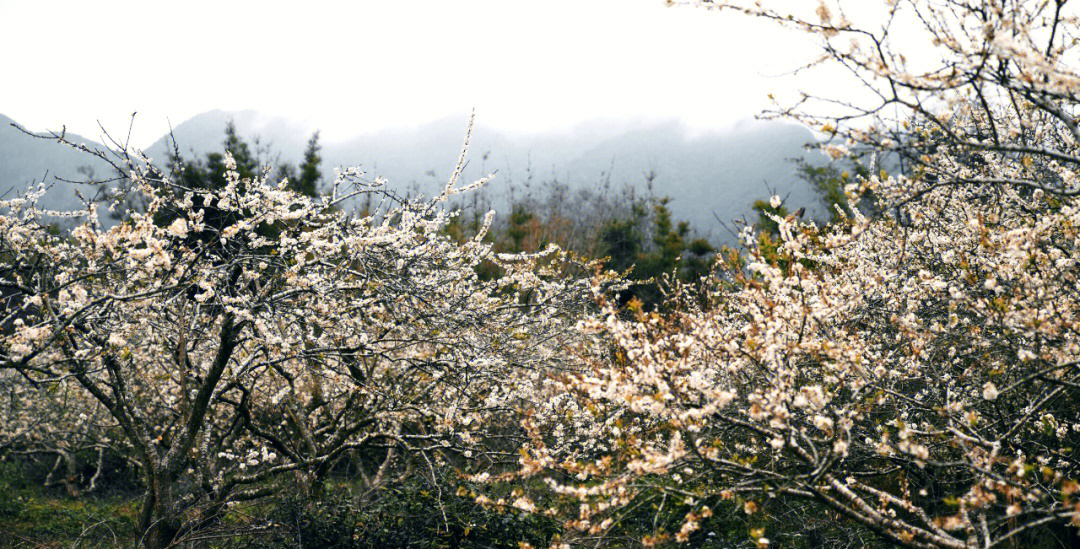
column 159, row 519
column 161, row 534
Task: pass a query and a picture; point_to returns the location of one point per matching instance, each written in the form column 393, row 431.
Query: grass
column 33, row 516
column 407, row 515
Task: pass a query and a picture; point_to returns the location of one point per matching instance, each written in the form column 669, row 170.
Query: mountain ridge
column 708, row 175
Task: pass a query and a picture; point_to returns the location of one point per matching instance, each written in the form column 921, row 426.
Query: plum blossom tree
column 915, row 374
column 227, row 358
column 966, row 92
column 922, row 386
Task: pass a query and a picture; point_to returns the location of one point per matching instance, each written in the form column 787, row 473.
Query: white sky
column 355, row 67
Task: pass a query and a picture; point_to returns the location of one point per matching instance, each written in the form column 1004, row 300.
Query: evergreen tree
column 307, row 182
column 520, row 218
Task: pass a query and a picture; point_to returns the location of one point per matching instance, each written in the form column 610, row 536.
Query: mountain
column 26, row 161
column 204, row 133
column 709, row 176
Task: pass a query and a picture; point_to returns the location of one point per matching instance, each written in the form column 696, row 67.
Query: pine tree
column 307, row 182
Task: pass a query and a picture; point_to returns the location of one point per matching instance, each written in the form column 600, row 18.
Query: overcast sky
column 355, row 67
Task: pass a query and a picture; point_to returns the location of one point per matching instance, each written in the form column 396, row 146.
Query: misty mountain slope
column 719, row 173
column 26, row 161
column 707, row 176
column 711, row 176
column 204, row 133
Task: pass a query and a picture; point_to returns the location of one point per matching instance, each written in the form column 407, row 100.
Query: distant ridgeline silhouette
column 708, row 177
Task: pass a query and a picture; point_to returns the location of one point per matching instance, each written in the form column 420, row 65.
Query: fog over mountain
column 26, row 161
column 707, row 176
